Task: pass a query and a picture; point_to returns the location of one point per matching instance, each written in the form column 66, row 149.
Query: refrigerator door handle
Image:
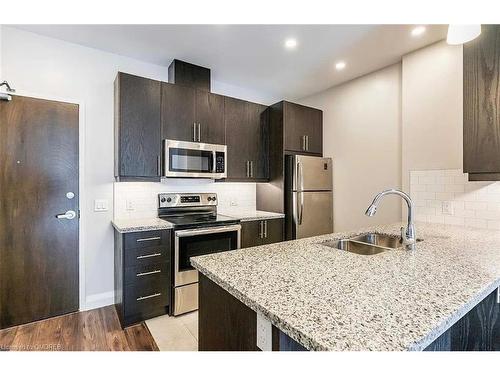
column 299, row 179
column 300, row 206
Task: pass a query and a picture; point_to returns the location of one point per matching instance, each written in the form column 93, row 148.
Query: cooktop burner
column 197, row 220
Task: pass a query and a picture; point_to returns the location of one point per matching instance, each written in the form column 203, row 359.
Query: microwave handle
column 214, row 161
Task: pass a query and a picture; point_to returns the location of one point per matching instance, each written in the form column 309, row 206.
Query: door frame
column 81, row 191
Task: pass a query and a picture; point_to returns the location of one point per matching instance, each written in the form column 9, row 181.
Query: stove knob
column 162, row 200
column 169, row 199
column 214, row 198
column 209, row 199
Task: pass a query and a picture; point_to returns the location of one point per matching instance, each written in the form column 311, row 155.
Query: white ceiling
column 253, row 56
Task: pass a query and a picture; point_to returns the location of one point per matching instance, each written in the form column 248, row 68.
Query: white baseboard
column 95, row 301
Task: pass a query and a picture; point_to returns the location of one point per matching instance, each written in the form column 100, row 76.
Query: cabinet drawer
column 146, row 296
column 147, row 273
column 144, row 256
column 146, row 239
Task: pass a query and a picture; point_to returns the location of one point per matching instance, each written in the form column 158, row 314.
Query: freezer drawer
column 311, row 173
column 312, row 213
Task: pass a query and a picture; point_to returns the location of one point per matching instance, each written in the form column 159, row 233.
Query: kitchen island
column 442, row 296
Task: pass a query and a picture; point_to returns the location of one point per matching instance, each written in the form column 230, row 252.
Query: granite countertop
column 140, row 225
column 251, row 215
column 328, row 299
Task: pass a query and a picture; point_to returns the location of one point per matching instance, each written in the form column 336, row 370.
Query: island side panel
column 478, row 330
column 225, row 323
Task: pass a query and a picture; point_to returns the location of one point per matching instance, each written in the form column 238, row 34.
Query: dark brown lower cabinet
column 478, row 330
column 261, row 232
column 226, row 324
column 142, row 275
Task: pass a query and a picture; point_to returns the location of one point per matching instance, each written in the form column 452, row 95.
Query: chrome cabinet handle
column 307, row 143
column 70, row 215
column 147, row 297
column 194, row 131
column 148, row 239
column 303, row 143
column 261, row 229
column 158, row 166
column 250, row 174
column 199, row 132
column 247, row 166
column 265, row 228
column 148, row 256
column 147, row 273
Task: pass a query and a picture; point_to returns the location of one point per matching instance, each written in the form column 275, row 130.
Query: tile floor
column 175, row 333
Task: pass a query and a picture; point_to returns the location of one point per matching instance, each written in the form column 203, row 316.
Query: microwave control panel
column 219, row 162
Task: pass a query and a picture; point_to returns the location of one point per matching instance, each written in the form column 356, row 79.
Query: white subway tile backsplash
column 144, row 195
column 475, row 204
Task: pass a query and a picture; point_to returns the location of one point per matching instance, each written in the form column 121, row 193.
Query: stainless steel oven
column 194, row 159
column 194, row 242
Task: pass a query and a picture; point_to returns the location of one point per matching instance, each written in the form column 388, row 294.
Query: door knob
column 70, row 215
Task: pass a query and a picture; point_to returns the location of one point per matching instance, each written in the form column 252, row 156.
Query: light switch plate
column 130, row 205
column 264, row 333
column 101, row 205
column 447, row 208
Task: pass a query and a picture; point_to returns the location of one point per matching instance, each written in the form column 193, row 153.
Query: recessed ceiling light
column 290, row 43
column 417, row 31
column 459, row 34
column 340, row 65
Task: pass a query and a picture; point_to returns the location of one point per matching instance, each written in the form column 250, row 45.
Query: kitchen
column 222, row 204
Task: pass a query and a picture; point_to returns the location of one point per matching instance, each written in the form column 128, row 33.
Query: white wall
column 362, row 133
column 53, row 68
column 432, row 109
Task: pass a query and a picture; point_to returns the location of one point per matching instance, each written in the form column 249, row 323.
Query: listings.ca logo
column 29, row 347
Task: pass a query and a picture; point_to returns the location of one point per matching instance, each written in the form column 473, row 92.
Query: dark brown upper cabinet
column 137, row 127
column 246, row 138
column 481, row 98
column 191, row 115
column 187, row 74
column 303, row 128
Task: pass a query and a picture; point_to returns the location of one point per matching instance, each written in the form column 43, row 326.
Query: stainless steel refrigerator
column 308, row 196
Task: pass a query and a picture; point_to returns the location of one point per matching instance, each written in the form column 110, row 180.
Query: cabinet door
column 481, row 143
column 210, row 117
column 138, row 106
column 238, row 140
column 274, row 232
column 250, row 234
column 258, row 144
column 178, row 112
column 300, row 122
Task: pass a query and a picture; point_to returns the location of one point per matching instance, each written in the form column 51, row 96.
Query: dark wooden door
column 138, row 126
column 38, row 252
column 238, row 140
column 274, row 232
column 210, row 117
column 258, row 152
column 178, row 112
column 250, row 234
column 481, row 102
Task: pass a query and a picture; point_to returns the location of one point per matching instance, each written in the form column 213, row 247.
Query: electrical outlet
column 447, row 208
column 130, row 205
column 264, row 333
column 101, row 205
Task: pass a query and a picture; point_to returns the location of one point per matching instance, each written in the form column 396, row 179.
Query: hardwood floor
column 94, row 330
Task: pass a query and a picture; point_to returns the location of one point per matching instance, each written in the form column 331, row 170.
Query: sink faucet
column 408, row 235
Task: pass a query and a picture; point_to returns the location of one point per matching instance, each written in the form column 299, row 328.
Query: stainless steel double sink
column 367, row 244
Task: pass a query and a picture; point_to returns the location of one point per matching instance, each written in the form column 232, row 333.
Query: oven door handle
column 199, row 232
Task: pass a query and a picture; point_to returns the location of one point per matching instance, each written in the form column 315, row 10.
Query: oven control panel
column 186, row 199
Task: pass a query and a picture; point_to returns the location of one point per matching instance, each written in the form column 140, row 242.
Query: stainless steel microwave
column 194, row 159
